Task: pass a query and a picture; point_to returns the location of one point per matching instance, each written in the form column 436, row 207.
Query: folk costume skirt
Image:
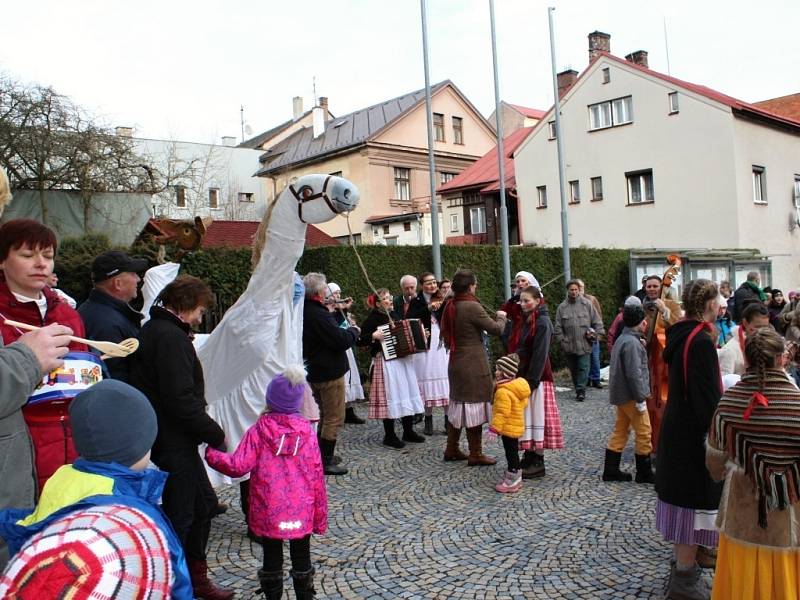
column 750, row 572
column 542, row 420
column 353, row 390
column 394, row 391
column 431, row 368
column 688, row 526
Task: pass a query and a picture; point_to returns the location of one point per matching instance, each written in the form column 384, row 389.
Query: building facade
column 383, row 150
column 655, row 163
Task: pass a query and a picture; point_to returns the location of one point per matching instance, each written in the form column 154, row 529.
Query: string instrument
column 656, row 339
column 667, row 279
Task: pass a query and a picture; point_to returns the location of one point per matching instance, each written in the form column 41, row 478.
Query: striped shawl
column 761, row 434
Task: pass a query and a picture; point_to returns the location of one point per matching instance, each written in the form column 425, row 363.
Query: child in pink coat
column 288, row 500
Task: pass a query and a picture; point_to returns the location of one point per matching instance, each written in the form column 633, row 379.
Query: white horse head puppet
column 262, row 333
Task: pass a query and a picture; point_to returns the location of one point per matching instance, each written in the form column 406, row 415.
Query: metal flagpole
column 560, row 148
column 435, row 250
column 500, row 163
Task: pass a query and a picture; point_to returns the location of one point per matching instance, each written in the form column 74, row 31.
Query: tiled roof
column 342, row 132
column 734, row 103
column 238, row 234
column 483, row 173
column 788, row 106
column 533, row 113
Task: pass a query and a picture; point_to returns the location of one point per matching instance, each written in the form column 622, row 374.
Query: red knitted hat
column 98, row 553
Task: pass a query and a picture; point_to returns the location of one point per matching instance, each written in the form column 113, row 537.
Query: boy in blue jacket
column 113, row 428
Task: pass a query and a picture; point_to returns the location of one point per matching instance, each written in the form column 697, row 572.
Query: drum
column 80, row 371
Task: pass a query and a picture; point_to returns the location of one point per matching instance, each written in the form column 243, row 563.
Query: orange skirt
column 750, row 572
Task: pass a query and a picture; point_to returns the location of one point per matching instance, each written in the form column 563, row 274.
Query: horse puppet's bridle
column 302, row 196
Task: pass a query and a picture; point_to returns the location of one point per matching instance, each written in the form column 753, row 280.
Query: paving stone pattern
column 405, row 524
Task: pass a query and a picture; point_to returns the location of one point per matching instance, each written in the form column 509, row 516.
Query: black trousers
column 188, row 500
column 299, row 552
column 511, row 446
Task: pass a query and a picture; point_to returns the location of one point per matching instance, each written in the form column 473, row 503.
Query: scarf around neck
column 448, row 322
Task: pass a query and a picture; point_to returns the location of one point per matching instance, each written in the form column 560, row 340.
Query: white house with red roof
column 656, row 165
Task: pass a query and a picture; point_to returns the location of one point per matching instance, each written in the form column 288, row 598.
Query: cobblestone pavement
column 405, row 524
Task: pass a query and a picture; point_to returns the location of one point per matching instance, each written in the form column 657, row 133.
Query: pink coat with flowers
column 288, row 499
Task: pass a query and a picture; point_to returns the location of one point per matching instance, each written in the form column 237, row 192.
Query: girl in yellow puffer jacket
column 511, row 396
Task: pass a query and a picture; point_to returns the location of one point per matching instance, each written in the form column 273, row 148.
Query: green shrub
column 227, row 270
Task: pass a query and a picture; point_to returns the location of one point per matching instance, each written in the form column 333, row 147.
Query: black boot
column 389, row 436
column 428, row 425
column 644, row 469
column 326, row 448
column 535, row 468
column 409, row 435
column 303, row 584
column 271, row 584
column 350, row 416
column 611, row 470
column 446, row 422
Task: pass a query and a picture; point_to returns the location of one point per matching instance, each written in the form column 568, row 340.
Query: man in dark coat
column 746, row 293
column 408, row 304
column 325, row 346
column 106, row 313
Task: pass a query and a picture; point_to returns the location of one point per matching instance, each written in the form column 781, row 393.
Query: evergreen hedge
column 227, row 270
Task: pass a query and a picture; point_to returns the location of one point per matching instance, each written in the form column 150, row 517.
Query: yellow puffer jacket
column 510, row 400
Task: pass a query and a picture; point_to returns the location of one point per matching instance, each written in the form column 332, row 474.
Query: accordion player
column 403, row 338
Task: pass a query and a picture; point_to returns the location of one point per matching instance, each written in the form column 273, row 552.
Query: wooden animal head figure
column 186, row 235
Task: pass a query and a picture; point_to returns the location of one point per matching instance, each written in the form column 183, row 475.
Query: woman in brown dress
column 471, row 387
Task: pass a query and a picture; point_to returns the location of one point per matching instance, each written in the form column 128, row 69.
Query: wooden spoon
column 109, row 349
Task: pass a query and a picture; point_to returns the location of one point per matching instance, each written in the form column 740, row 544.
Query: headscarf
column 529, row 276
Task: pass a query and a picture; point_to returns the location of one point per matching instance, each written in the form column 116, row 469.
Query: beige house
column 383, row 149
column 516, row 117
column 654, row 163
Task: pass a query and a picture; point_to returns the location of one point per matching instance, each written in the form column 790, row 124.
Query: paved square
column 405, row 524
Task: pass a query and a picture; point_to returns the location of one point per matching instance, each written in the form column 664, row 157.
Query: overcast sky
column 181, row 69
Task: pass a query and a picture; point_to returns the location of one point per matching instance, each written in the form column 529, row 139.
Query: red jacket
column 48, row 422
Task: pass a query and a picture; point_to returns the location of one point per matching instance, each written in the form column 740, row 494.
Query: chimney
column 124, row 131
column 323, row 102
column 638, row 58
column 598, row 42
column 228, row 140
column 297, row 108
column 566, row 79
column 318, row 119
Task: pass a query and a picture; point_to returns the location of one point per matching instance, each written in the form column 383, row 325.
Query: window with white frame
column 445, row 177
column 597, row 188
column 402, row 183
column 453, row 223
column 759, row 185
column 213, row 197
column 574, row 192
column 541, row 193
column 796, row 194
column 551, row 130
column 458, row 130
column 606, row 75
column 391, row 241
column 438, row 127
column 640, row 187
column 477, row 219
column 673, row 102
column 611, row 113
column 246, row 197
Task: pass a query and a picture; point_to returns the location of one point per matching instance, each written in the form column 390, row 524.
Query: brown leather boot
column 203, row 588
column 476, row 456
column 452, row 451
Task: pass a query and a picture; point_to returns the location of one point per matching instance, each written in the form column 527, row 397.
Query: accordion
column 403, row 338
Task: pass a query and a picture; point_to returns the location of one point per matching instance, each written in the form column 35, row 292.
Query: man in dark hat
column 107, row 313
